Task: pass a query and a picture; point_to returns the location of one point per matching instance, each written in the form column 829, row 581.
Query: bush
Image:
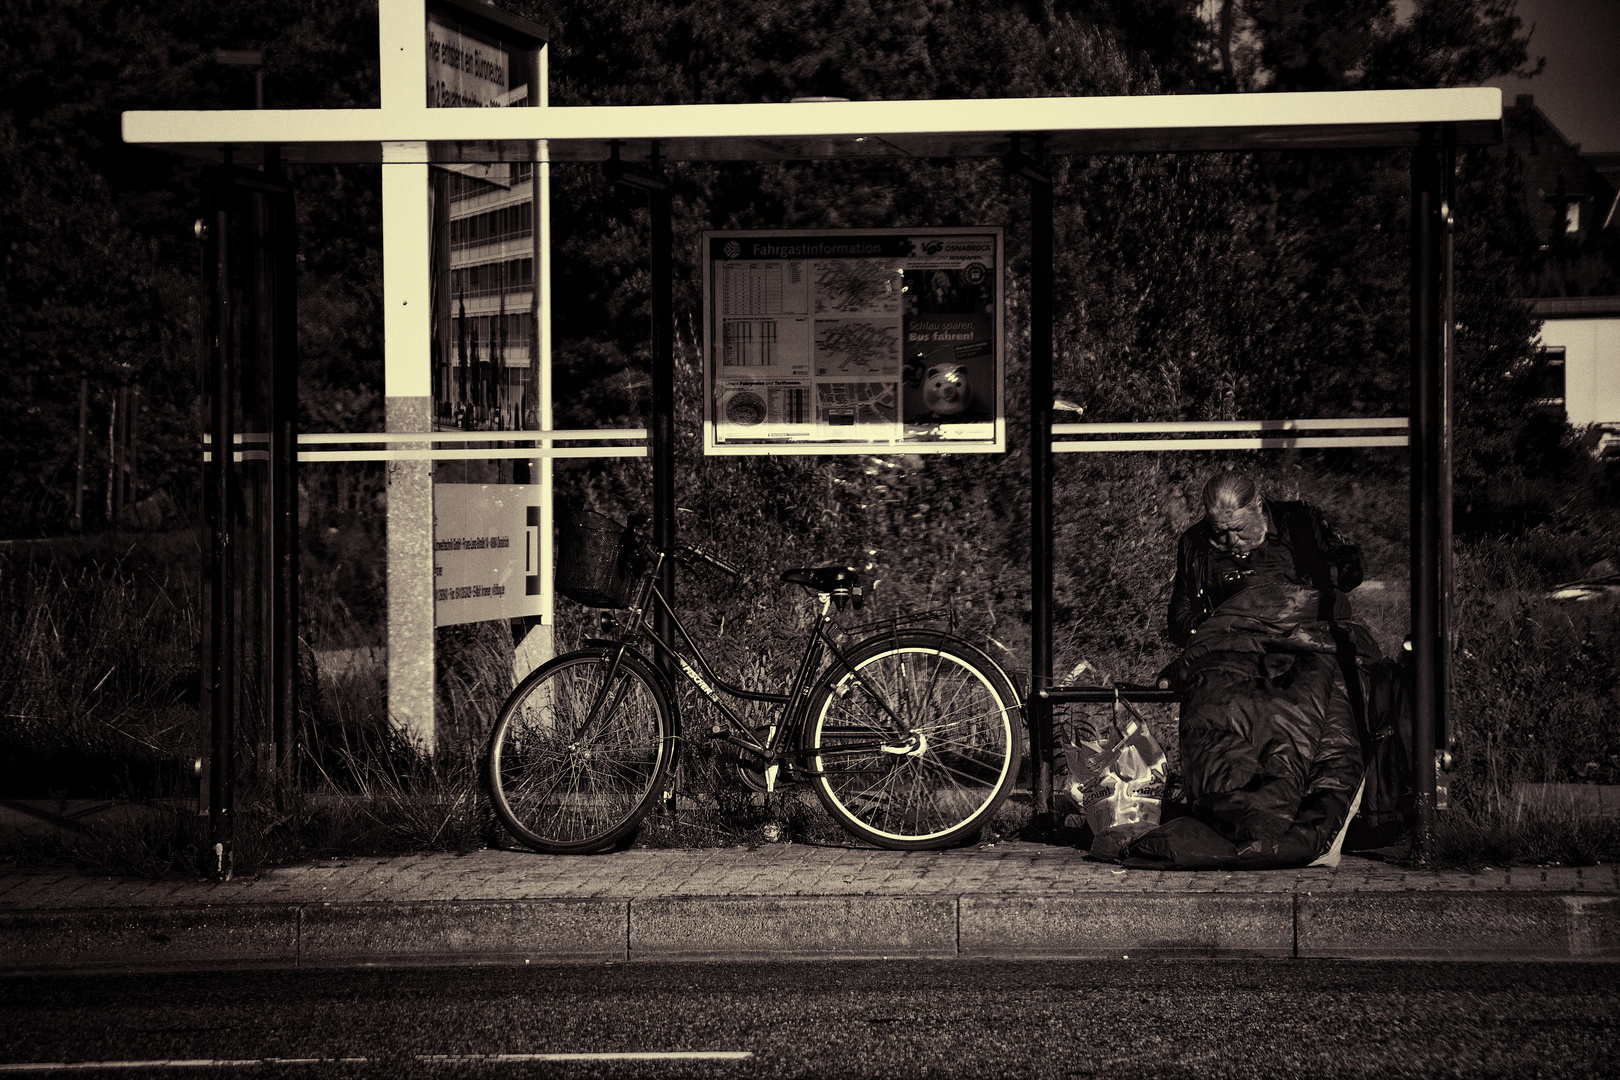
column 98, row 643
column 1536, row 683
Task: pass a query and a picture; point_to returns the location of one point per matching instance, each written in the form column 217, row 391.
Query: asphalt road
column 962, row 1018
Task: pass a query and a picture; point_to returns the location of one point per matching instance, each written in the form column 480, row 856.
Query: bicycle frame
column 795, row 703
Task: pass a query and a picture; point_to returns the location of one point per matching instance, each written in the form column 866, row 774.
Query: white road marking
column 448, row 1059
column 169, row 1063
column 647, row 1055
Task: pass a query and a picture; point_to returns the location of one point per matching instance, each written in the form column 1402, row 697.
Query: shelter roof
column 1577, row 307
column 832, row 129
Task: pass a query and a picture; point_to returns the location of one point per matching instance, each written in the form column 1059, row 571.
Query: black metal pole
column 1444, row 738
column 282, row 237
column 1038, row 709
column 663, row 395
column 1427, row 420
column 222, row 553
column 84, row 433
column 1040, row 475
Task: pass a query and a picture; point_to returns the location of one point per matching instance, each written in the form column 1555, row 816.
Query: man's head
column 1233, row 509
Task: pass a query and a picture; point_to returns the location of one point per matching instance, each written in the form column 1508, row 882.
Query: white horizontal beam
column 505, row 453
column 1303, row 442
column 1152, row 427
column 401, row 446
column 855, row 128
column 328, row 437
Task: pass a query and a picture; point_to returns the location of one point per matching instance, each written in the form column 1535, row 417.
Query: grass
column 98, row 666
column 150, row 845
column 1542, row 836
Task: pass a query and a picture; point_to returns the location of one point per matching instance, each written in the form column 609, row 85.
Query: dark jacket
column 1321, row 557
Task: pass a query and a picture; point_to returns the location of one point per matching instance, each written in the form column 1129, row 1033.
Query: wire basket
column 596, row 559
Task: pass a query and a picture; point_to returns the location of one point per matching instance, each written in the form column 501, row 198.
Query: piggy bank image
column 945, row 390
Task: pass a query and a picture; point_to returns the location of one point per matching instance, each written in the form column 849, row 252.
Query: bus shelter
column 632, row 143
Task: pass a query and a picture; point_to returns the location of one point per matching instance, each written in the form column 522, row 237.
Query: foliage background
column 1191, row 287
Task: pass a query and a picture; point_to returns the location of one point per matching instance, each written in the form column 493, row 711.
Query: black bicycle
column 911, row 737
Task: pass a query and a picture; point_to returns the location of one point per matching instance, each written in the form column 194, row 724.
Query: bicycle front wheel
column 575, row 762
column 917, row 745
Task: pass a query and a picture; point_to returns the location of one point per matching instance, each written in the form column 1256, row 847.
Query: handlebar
column 636, row 522
column 703, row 556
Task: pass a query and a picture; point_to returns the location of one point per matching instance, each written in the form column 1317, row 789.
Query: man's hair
column 1230, row 491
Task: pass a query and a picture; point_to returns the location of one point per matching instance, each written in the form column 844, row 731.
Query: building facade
column 484, row 242
column 1573, row 202
column 485, row 376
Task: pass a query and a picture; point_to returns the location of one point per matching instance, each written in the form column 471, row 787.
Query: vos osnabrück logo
column 732, row 249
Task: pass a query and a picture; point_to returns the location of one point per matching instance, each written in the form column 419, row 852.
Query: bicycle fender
column 990, row 661
column 977, row 650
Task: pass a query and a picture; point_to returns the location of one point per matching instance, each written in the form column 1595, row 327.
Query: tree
column 98, row 277
column 1362, row 45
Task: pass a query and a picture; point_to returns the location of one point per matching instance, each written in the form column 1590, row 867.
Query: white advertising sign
column 831, row 341
column 466, row 70
column 486, row 552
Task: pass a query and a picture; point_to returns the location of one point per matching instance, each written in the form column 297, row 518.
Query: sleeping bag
column 1273, row 710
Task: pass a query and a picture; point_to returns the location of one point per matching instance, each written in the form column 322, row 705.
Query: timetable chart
column 764, row 288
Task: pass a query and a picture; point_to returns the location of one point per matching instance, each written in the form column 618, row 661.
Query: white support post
column 402, row 55
column 540, row 643
column 407, row 377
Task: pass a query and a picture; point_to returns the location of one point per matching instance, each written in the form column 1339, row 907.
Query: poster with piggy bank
column 836, row 341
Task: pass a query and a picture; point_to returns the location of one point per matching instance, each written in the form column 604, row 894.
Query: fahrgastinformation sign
column 834, row 341
column 486, row 552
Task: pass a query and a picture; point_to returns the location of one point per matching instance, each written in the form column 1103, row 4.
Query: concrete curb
column 149, row 938
column 1459, row 926
column 1365, row 925
column 1133, row 924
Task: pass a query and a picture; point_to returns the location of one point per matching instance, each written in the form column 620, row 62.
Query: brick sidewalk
column 1005, row 868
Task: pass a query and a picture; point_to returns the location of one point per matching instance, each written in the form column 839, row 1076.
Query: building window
column 1547, row 387
column 492, row 279
column 1572, row 218
column 506, row 223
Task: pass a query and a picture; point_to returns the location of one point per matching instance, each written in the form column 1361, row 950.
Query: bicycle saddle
column 823, row 578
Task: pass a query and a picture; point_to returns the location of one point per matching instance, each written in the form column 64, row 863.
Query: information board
column 486, row 552
column 833, row 341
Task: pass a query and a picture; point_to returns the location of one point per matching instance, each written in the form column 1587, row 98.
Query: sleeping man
column 1272, row 682
column 1245, row 539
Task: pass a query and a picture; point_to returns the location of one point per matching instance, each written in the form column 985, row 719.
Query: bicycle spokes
column 576, row 758
column 931, row 776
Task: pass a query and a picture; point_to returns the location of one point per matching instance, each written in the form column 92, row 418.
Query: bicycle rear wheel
column 918, row 746
column 573, row 769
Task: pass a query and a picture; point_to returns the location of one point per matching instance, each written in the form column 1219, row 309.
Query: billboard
column 835, row 341
column 470, row 69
